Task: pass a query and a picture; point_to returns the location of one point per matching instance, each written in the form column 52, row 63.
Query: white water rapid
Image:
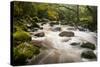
column 58, row 49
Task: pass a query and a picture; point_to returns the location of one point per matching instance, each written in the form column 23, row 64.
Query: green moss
column 21, row 36
column 23, row 52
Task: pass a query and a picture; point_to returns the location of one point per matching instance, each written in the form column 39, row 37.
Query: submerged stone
column 66, row 34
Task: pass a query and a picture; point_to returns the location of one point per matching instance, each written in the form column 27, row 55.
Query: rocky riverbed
column 64, row 44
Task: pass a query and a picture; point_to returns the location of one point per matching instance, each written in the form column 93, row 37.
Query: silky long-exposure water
column 59, row 49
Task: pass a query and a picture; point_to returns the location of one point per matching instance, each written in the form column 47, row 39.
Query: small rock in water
column 74, row 44
column 71, row 29
column 82, row 29
column 41, row 28
column 66, row 34
column 57, row 29
column 88, row 45
column 43, row 23
column 88, row 55
column 35, row 29
column 40, row 34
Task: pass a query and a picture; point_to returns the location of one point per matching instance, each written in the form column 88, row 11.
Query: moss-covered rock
column 88, row 55
column 88, row 45
column 21, row 36
column 23, row 52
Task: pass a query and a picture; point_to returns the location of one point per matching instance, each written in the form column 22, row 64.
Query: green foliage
column 85, row 16
column 53, row 15
column 23, row 52
column 22, row 9
column 88, row 17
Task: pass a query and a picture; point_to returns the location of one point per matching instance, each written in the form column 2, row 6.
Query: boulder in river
column 88, row 45
column 66, row 34
column 88, row 55
column 43, row 23
column 41, row 28
column 40, row 34
column 52, row 23
column 34, row 29
column 74, row 44
column 71, row 29
column 57, row 29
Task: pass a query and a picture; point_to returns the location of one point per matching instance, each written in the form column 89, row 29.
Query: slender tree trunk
column 78, row 20
column 77, row 15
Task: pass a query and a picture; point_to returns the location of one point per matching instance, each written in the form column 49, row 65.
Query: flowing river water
column 58, row 49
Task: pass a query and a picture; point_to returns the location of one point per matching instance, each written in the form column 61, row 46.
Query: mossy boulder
column 88, row 55
column 21, row 36
column 88, row 45
column 66, row 34
column 23, row 52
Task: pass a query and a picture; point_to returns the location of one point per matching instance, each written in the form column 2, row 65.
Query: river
column 59, row 49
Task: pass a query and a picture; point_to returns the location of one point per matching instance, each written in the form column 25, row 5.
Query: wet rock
column 43, row 23
column 45, row 20
column 66, row 34
column 71, row 29
column 40, row 34
column 57, row 29
column 80, row 29
column 88, row 55
column 41, row 28
column 34, row 29
column 52, row 23
column 88, row 45
column 74, row 44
